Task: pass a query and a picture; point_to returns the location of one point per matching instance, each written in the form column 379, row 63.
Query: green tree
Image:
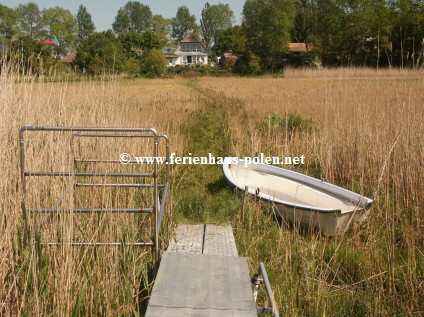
column 304, row 21
column 33, row 57
column 254, row 66
column 8, row 18
column 407, row 31
column 154, row 40
column 133, row 16
column 267, row 25
column 161, row 24
column 354, row 32
column 60, row 26
column 155, row 63
column 137, row 45
column 99, row 53
column 360, row 33
column 132, row 44
column 329, row 30
column 231, row 39
column 85, row 24
column 377, row 39
column 30, row 20
column 182, row 23
column 215, row 19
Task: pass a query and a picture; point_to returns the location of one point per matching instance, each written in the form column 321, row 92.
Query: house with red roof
column 48, row 42
column 300, row 47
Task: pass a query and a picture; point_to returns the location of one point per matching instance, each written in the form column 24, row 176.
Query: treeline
column 376, row 33
column 343, row 32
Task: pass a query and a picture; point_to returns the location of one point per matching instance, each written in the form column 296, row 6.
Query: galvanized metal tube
column 156, row 198
column 107, row 135
column 102, row 161
column 22, row 166
column 93, row 174
column 165, row 192
column 168, row 156
column 115, row 185
column 141, row 244
column 268, row 289
column 23, row 185
column 76, row 129
column 163, row 203
column 157, row 204
column 94, row 210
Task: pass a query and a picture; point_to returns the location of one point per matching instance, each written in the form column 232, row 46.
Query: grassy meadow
column 358, row 128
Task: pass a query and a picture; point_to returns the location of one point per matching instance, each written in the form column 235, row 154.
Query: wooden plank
column 200, row 285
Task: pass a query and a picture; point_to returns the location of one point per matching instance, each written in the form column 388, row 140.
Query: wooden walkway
column 201, row 274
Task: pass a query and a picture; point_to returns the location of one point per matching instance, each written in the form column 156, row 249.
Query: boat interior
column 288, row 190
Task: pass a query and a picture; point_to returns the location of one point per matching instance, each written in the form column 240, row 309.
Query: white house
column 189, row 52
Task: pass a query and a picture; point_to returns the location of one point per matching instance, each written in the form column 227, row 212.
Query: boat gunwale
column 367, row 202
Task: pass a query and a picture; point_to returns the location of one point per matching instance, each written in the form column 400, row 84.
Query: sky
column 104, row 11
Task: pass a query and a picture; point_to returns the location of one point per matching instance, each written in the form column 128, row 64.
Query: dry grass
column 101, row 281
column 368, row 137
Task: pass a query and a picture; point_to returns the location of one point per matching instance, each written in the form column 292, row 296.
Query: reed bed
column 364, row 134
column 359, row 129
column 36, row 280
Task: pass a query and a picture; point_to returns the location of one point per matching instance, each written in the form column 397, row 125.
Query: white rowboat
column 300, row 199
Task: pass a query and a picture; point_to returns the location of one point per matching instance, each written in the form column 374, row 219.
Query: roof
column 69, row 58
column 300, row 47
column 191, row 38
column 48, row 42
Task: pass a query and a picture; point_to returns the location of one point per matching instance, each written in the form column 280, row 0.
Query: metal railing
column 262, row 278
column 159, row 203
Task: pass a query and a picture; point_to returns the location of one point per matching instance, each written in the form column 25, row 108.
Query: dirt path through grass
column 311, row 275
column 201, row 191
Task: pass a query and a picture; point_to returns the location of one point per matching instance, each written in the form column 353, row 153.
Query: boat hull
column 298, row 199
column 329, row 223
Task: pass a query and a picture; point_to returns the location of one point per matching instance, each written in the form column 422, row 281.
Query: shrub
column 155, row 63
column 254, row 64
column 192, row 70
column 101, row 52
column 33, row 56
column 291, row 122
column 133, row 66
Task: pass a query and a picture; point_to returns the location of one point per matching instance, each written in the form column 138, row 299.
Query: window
column 191, row 47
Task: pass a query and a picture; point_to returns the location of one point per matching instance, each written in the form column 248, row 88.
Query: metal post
column 243, row 208
column 26, row 235
column 168, row 156
column 268, row 289
column 72, row 152
column 22, row 164
column 156, row 197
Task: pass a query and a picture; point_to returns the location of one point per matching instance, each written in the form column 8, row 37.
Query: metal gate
column 156, row 211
